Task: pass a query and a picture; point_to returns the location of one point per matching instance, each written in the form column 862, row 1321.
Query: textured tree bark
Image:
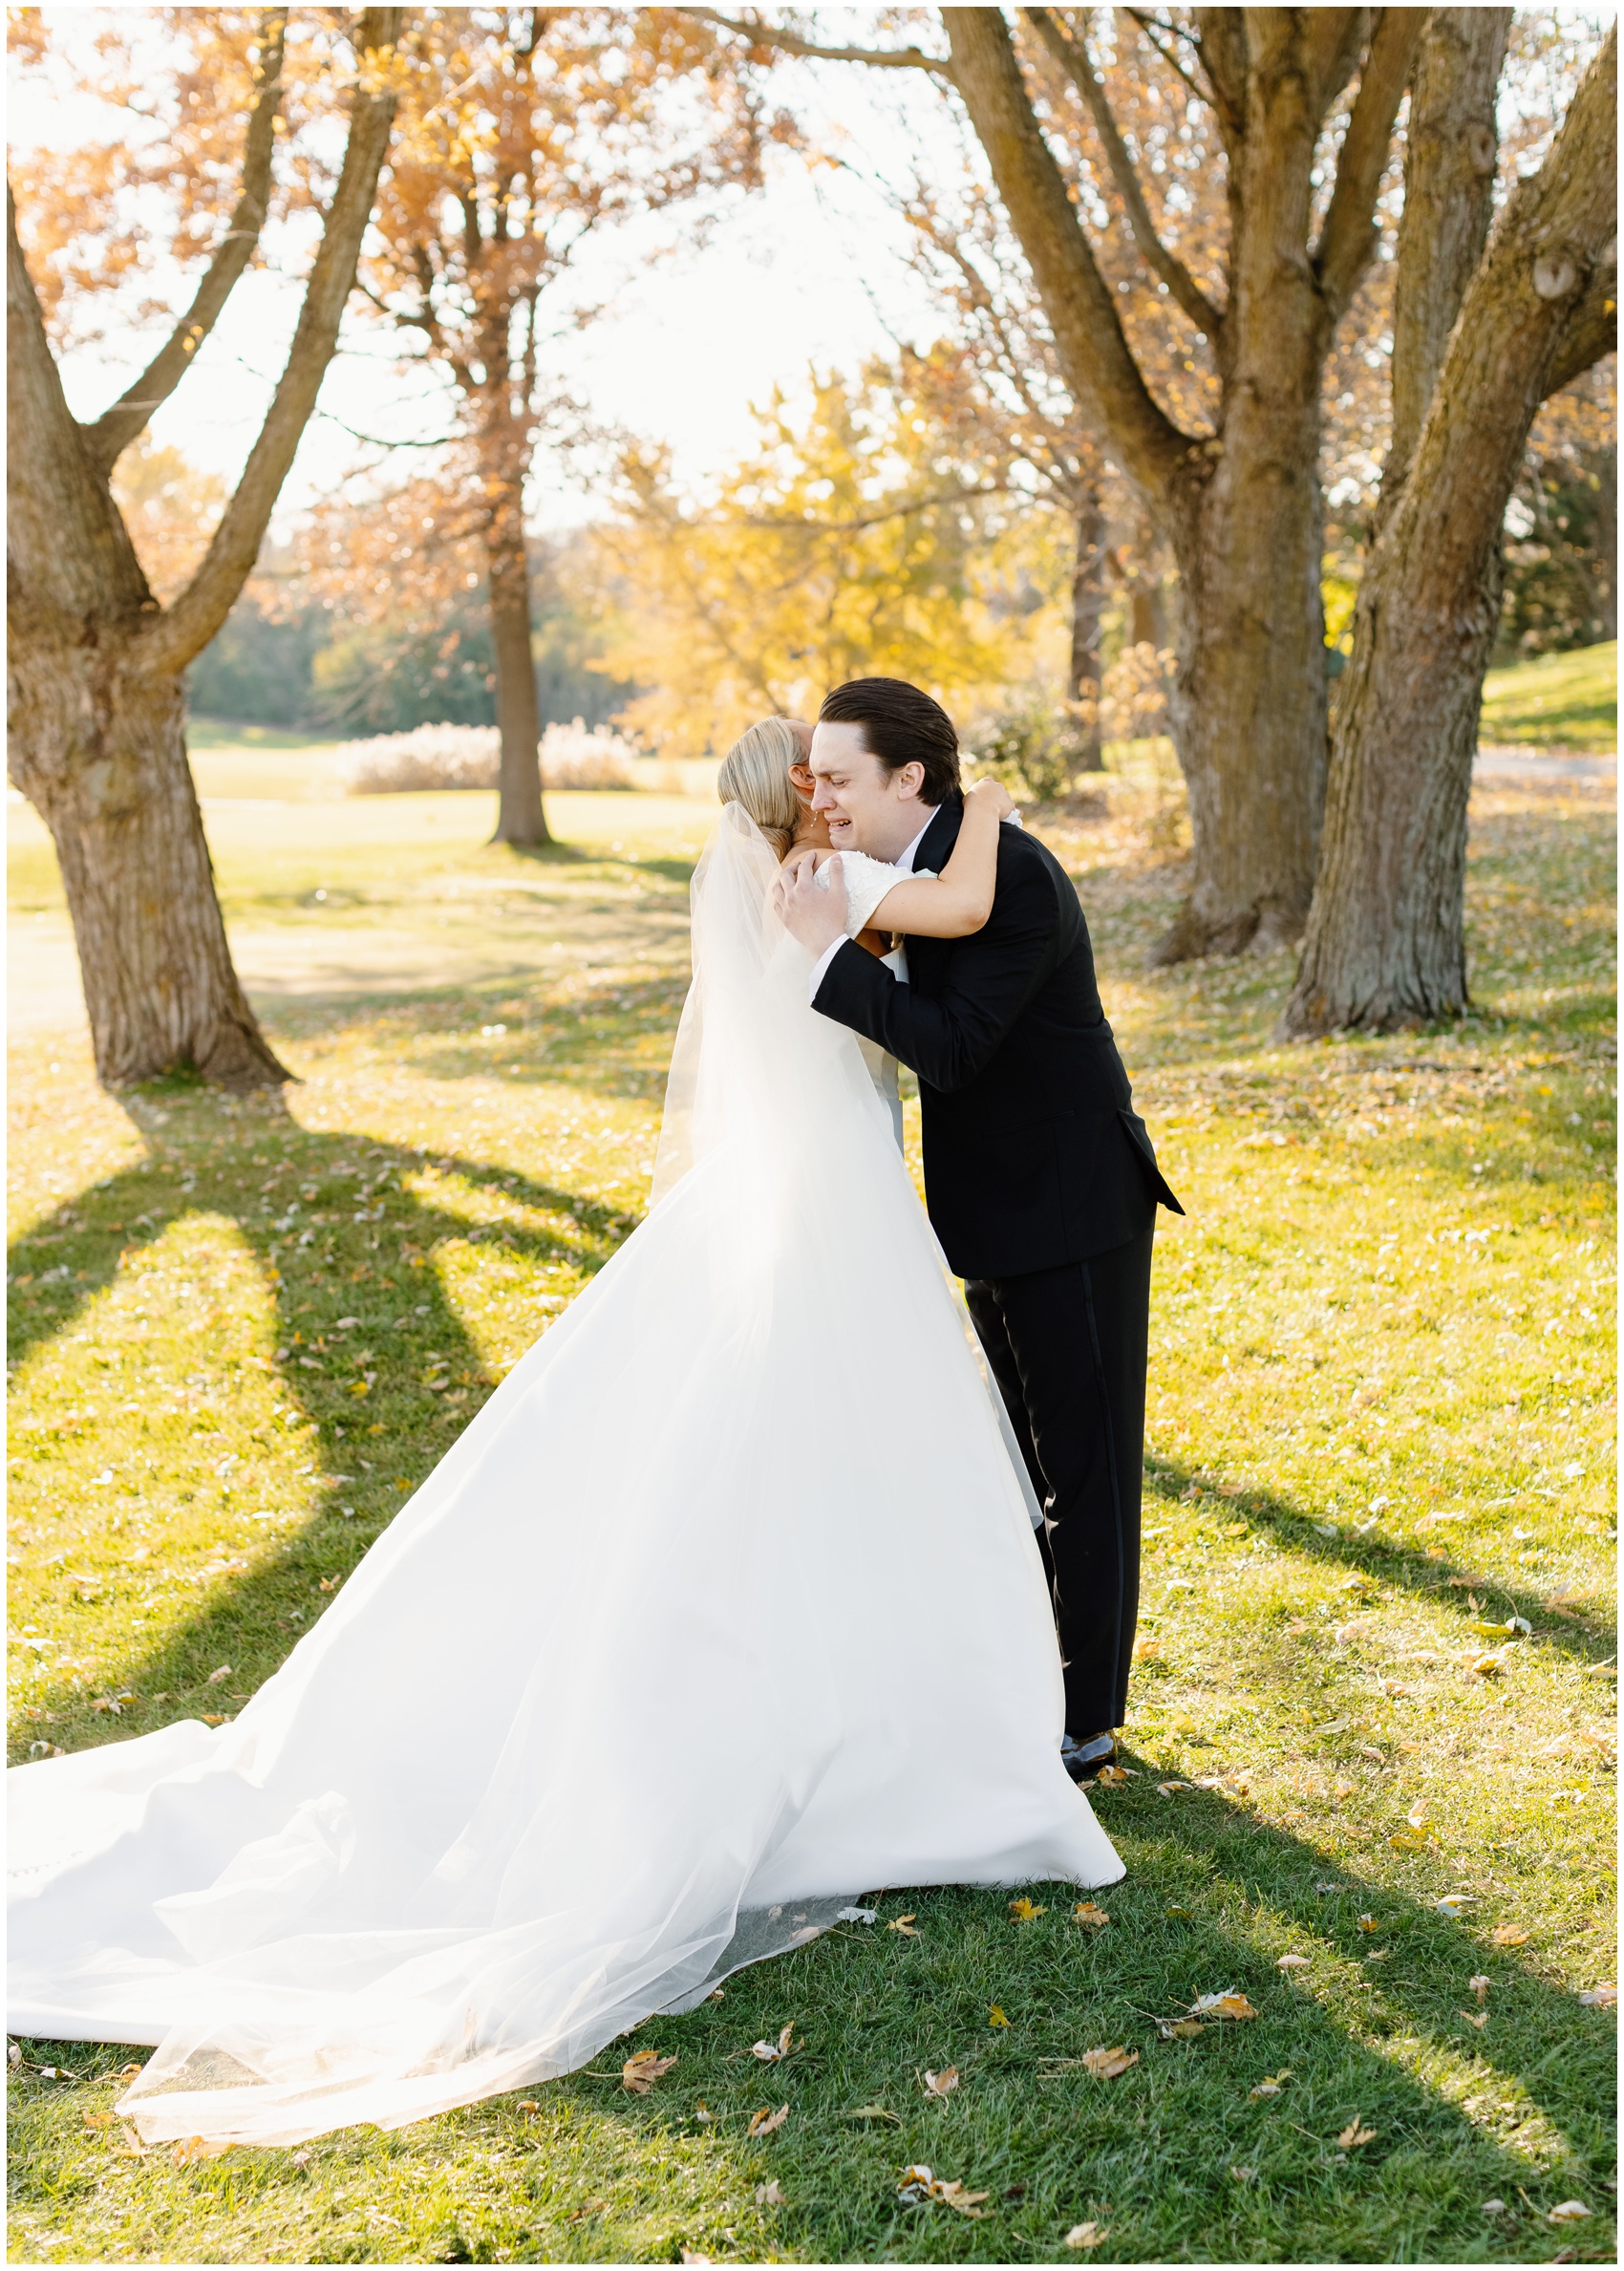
column 1088, row 598
column 1450, row 147
column 1385, row 945
column 1240, row 509
column 97, row 698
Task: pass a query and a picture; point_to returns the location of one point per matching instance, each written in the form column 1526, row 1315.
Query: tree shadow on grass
column 360, row 1247
column 1447, row 1584
column 610, row 1040
column 1176, row 2158
column 1154, row 2153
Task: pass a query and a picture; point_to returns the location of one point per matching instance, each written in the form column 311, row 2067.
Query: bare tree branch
column 1095, row 359
column 1347, row 242
column 1073, row 57
column 1333, row 37
column 1592, row 330
column 1150, row 25
column 1224, row 61
column 113, row 431
column 184, row 629
column 768, row 35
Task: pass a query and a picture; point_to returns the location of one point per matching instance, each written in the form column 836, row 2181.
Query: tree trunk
column 100, row 749
column 1450, row 148
column 96, row 702
column 1248, row 707
column 520, row 816
column 1241, row 509
column 1088, row 597
column 1247, row 702
column 505, row 462
column 1385, row 945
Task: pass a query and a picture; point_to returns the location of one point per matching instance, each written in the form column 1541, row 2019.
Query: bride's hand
column 991, row 792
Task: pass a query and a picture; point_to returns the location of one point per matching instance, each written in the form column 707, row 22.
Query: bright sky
column 807, row 270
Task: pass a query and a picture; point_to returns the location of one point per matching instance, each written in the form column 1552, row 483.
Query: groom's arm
column 991, row 975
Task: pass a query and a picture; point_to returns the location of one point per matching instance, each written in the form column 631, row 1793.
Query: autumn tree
column 1295, row 109
column 1483, row 337
column 98, row 661
column 855, row 535
column 527, row 131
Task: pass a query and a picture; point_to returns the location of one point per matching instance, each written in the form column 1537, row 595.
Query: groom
column 1039, row 1176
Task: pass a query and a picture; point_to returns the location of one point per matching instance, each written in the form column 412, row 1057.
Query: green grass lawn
column 1558, row 702
column 1381, row 1430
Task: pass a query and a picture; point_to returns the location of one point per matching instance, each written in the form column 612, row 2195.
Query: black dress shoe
column 1083, row 1755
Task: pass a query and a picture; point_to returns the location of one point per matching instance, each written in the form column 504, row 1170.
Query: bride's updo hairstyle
column 755, row 773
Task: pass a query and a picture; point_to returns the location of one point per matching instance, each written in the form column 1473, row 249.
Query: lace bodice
column 866, row 883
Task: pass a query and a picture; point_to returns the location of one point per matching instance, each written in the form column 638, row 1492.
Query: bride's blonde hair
column 755, row 773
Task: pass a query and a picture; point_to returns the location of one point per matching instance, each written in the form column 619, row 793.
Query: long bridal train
column 726, row 1604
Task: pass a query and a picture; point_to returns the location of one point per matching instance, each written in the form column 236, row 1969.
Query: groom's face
column 866, row 806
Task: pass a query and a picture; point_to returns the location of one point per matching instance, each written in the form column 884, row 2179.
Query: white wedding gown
column 726, row 1607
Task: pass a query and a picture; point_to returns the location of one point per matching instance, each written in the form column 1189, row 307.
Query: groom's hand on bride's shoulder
column 808, row 911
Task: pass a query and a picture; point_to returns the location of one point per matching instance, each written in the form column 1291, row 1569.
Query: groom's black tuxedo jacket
column 1034, row 1154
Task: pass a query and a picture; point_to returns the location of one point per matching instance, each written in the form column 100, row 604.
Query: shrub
column 470, row 755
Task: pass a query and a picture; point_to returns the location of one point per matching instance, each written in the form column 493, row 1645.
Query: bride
column 726, row 1607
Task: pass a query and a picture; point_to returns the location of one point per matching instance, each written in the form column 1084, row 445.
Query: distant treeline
column 276, row 662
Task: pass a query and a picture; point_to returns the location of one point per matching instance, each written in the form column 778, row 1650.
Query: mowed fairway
column 1371, row 1756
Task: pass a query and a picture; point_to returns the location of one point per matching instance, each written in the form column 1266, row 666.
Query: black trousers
column 1067, row 1348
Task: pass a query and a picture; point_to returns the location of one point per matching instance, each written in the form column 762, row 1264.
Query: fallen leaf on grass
column 1166, row 1789
column 1243, row 2176
column 918, row 2184
column 942, row 2084
column 1510, row 1936
column 1172, row 2030
column 1292, row 1963
column 996, row 2016
column 857, row 1916
column 1480, row 1984
column 1512, row 1626
column 191, row 2149
column 904, row 1926
column 769, row 2053
column 1600, row 1999
column 1452, row 1904
column 770, row 2195
column 1093, row 1918
column 128, row 2073
column 1354, row 2135
column 764, row 2123
column 691, row 2256
column 300, row 2160
column 1568, row 2212
column 1025, row 1910
column 215, row 1678
column 872, row 2113
column 1085, row 2235
column 643, row 2070
column 1492, row 1661
column 1271, row 2084
column 1476, row 2019
column 129, row 2146
column 528, row 2105
column 1227, row 2005
column 1109, row 2064
column 1367, row 1922
column 1109, row 1776
column 99, row 2120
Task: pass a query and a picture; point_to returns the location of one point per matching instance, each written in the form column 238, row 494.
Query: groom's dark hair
column 901, row 726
